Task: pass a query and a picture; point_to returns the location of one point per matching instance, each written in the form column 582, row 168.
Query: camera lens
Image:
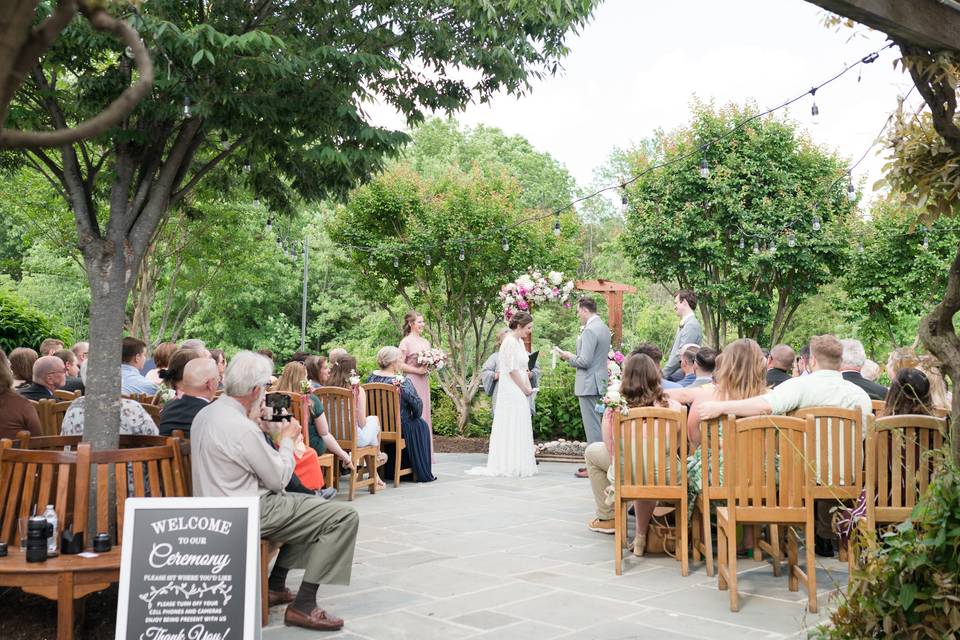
column 38, row 530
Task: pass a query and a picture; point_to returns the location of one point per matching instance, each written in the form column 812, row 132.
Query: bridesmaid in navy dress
column 416, row 433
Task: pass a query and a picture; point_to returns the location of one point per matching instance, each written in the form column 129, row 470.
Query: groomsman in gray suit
column 593, row 345
column 689, row 332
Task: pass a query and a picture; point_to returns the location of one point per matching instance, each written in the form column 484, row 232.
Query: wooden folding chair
column 712, row 489
column 153, row 411
column 63, row 394
column 300, row 408
column 900, row 465
column 46, row 443
column 650, row 463
column 878, row 406
column 186, row 463
column 838, row 439
column 757, row 450
column 341, row 419
column 383, row 401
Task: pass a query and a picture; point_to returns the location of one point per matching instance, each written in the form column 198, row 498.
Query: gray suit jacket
column 689, row 333
column 593, row 345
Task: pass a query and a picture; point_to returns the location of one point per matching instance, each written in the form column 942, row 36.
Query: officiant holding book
column 593, row 345
column 490, row 376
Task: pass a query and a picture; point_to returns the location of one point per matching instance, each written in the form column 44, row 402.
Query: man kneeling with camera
column 231, row 457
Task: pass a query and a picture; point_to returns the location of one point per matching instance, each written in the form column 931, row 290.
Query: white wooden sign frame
column 251, row 603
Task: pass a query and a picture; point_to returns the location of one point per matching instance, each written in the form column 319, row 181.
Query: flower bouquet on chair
column 432, row 359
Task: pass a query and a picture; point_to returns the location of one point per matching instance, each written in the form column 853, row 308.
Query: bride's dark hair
column 521, row 319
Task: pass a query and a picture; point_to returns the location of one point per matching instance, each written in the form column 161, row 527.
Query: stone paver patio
column 473, row 557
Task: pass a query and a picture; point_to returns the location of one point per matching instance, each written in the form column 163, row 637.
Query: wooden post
column 613, row 293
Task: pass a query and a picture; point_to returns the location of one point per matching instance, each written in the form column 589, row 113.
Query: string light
column 791, row 239
column 370, row 261
column 428, row 260
column 506, row 244
column 773, row 247
column 270, row 224
column 851, row 190
column 556, row 228
column 814, row 110
column 186, row 106
column 462, row 256
column 860, row 247
column 926, row 240
column 815, row 224
column 247, row 167
column 256, row 202
column 704, row 168
column 742, row 243
column 756, row 247
column 396, row 262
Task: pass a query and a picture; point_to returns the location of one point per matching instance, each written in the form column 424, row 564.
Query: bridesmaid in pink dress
column 413, row 343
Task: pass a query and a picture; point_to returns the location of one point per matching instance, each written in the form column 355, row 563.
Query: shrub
column 909, row 586
column 558, row 410
column 23, row 326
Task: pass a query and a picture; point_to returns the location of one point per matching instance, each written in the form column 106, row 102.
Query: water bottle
column 51, row 516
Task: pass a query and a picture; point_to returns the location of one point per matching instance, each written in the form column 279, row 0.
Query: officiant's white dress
column 511, row 439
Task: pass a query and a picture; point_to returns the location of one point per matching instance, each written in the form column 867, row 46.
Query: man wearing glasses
column 49, row 373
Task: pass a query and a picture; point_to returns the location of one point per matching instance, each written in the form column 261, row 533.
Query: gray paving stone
column 622, row 630
column 485, row 620
column 508, row 593
column 526, row 630
column 373, row 602
column 572, row 610
column 586, row 586
column 501, row 563
column 403, row 625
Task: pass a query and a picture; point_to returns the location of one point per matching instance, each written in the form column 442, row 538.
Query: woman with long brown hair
column 909, row 394
column 640, row 386
column 412, row 344
column 343, row 374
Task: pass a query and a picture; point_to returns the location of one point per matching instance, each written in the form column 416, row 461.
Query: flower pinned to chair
column 533, row 288
column 304, row 386
column 613, row 399
column 165, row 394
column 354, row 379
column 432, row 359
column 399, row 379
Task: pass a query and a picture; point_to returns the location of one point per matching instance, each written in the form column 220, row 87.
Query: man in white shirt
column 231, row 457
column 823, row 387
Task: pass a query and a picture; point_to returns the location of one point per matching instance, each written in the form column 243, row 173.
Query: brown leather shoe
column 318, row 620
column 280, row 597
column 581, row 473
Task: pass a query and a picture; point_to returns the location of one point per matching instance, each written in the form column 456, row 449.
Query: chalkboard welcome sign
column 190, row 569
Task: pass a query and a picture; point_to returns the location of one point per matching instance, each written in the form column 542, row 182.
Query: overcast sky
column 636, row 65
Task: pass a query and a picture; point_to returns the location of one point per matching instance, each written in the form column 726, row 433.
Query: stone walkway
column 474, row 557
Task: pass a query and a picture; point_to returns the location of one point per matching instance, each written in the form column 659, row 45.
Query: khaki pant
column 319, row 536
column 598, row 463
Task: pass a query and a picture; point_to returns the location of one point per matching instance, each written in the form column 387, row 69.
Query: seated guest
column 704, row 366
column 416, row 455
column 50, row 346
column 21, row 364
column 173, row 374
column 81, row 349
column 16, row 412
column 232, row 458
column 801, row 365
column 198, row 388
column 299, row 356
column 653, row 352
column 317, row 371
column 197, row 345
column 688, row 361
column 49, row 374
column 640, row 386
column 823, row 387
column 134, row 419
column 336, row 354
column 870, row 370
column 221, row 359
column 901, row 358
column 850, row 365
column 161, row 360
column 939, row 395
column 134, row 355
column 291, row 380
column 909, row 394
column 780, row 364
column 73, row 383
column 368, row 427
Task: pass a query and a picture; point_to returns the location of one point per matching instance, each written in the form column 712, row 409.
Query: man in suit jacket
column 779, row 365
column 853, row 360
column 199, row 385
column 593, row 345
column 689, row 332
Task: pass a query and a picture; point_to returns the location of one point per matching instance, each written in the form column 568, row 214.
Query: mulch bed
column 444, row 444
column 28, row 617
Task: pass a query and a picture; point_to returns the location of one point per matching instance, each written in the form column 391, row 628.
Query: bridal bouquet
column 432, row 359
column 534, row 288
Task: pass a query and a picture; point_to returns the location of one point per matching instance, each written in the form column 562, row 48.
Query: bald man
column 779, row 365
column 199, row 386
column 49, row 374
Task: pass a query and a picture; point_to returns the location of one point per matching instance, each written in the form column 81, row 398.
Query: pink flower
column 522, row 291
column 523, row 305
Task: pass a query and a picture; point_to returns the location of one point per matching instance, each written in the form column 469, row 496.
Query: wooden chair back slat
column 756, row 449
column 63, row 394
column 711, row 447
column 650, row 447
column 383, row 401
column 839, row 445
column 50, row 443
column 900, row 464
column 30, row 480
column 878, row 406
column 339, row 409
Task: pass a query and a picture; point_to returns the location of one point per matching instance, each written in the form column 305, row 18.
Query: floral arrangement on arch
column 613, row 399
column 534, row 288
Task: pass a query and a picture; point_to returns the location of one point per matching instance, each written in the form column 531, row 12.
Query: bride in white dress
column 511, row 439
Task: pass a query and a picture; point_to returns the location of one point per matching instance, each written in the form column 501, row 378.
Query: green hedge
column 558, row 411
column 23, row 326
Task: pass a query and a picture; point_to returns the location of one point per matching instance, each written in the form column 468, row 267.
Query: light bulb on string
column 506, row 244
column 256, row 202
column 186, row 106
column 556, row 227
column 791, row 239
column 269, row 224
column 851, row 190
column 428, row 260
column 704, row 168
column 815, row 223
column 247, row 167
column 224, row 140
column 773, row 247
column 462, row 256
column 814, row 109
column 742, row 243
column 756, row 247
column 396, row 262
column 926, row 241
column 370, row 260
column 860, row 247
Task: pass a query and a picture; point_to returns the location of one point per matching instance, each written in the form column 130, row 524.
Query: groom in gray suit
column 593, row 345
column 689, row 332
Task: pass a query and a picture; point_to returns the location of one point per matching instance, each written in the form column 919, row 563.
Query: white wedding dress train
column 511, row 438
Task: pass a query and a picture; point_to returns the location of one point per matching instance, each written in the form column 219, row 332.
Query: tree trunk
column 940, row 338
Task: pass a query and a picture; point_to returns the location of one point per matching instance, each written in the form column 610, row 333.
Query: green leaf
column 907, row 593
column 197, row 57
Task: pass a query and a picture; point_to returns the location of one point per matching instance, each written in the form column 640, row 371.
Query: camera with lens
column 38, row 533
column 279, row 405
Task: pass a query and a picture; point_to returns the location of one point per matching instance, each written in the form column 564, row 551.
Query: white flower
column 614, row 385
column 567, row 288
column 612, row 397
column 613, row 369
column 525, row 282
column 555, row 278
